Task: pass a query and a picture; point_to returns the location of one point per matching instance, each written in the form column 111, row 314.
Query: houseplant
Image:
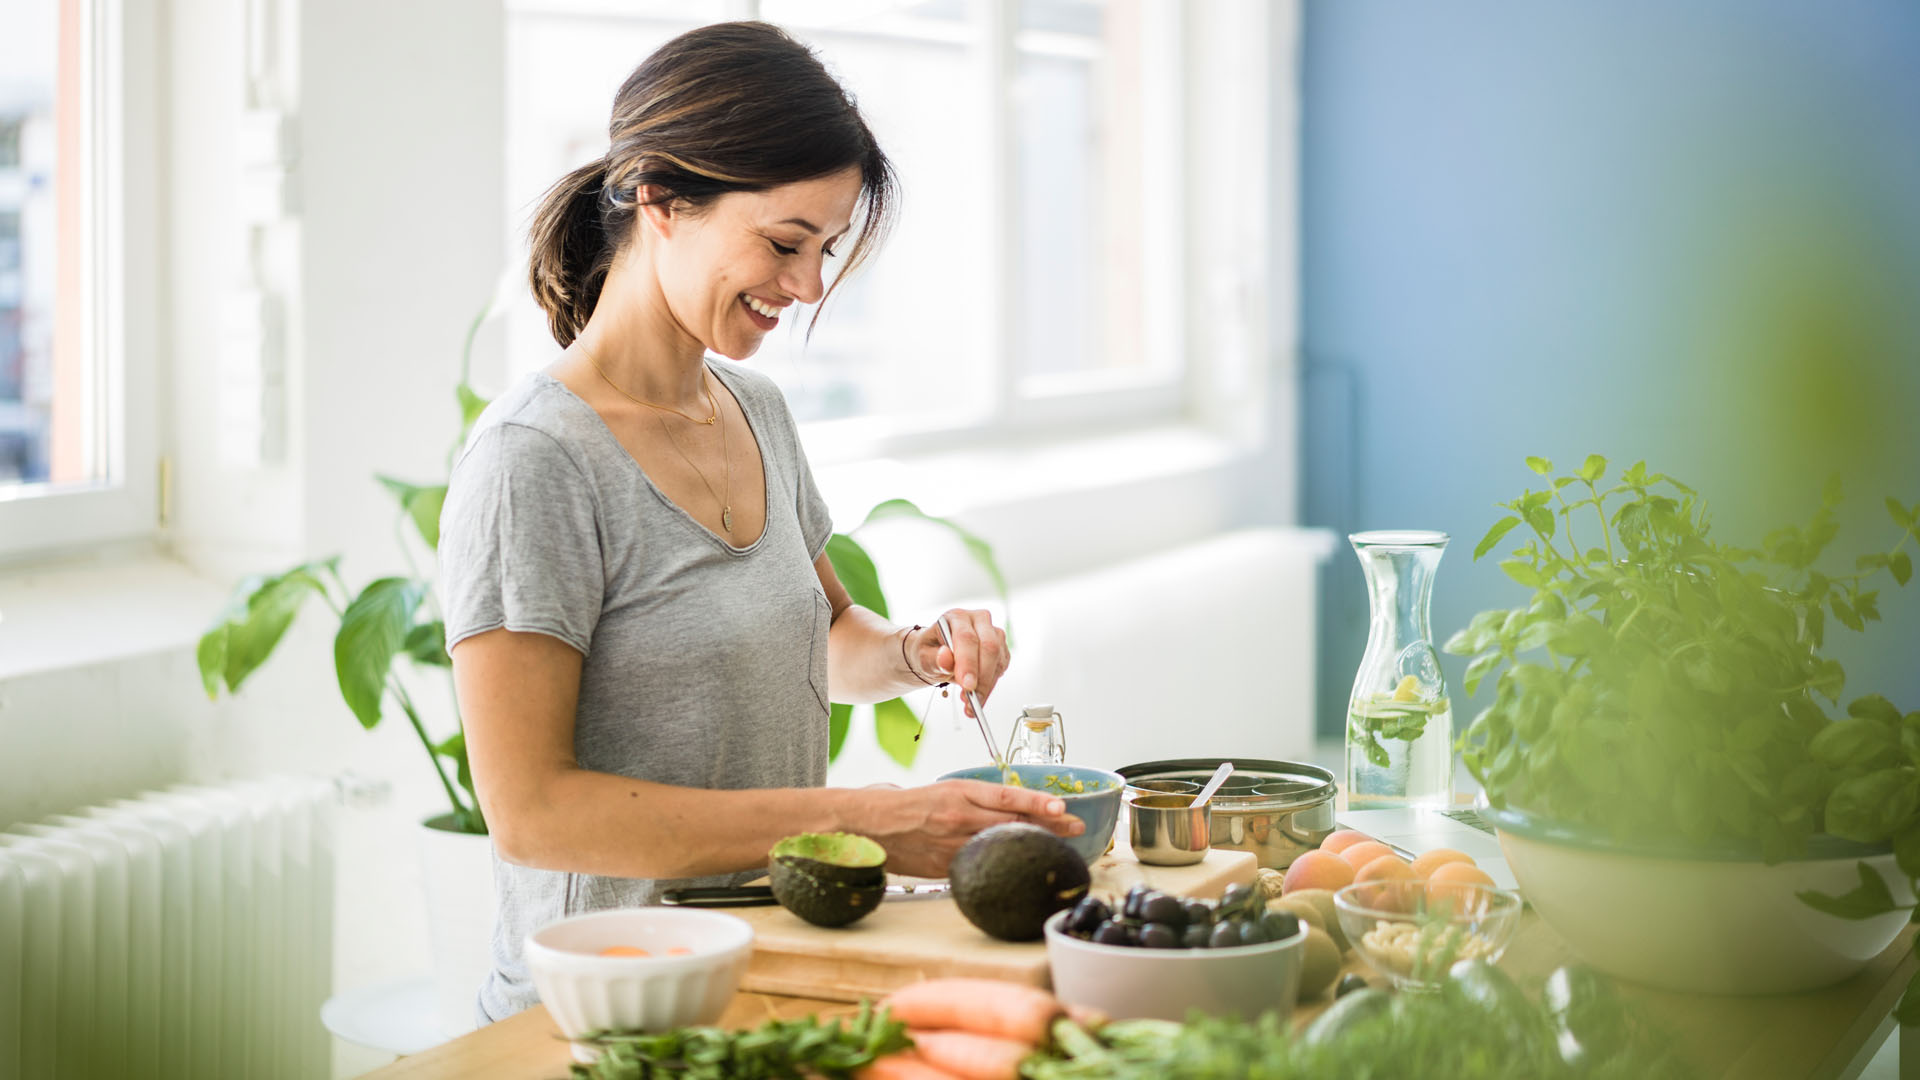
column 1661, row 709
column 394, row 622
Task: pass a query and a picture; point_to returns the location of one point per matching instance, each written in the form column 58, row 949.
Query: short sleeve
column 520, row 541
column 816, row 524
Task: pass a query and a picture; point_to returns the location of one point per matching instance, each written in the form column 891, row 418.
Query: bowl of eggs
column 637, row 969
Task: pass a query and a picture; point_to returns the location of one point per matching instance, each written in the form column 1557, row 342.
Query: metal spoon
column 979, row 715
column 1213, row 784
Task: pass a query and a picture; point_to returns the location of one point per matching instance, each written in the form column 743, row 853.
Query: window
column 1036, row 275
column 76, row 426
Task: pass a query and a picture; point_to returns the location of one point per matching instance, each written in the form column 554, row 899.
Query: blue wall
column 1688, row 233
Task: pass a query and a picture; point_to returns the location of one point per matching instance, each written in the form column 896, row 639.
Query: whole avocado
column 1008, row 879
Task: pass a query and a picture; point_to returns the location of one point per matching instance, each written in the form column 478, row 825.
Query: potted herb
column 1659, row 755
column 394, row 622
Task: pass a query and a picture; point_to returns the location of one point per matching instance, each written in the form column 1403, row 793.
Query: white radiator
column 186, row 933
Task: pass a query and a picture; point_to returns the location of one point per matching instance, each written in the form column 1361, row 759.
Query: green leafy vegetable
column 1478, row 1027
column 778, row 1049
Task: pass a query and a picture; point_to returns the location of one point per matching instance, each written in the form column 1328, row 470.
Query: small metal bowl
column 1168, row 830
column 1164, row 787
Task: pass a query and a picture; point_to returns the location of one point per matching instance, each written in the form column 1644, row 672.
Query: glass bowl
column 1413, row 933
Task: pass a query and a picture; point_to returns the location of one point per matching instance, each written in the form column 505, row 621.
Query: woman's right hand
column 921, row 828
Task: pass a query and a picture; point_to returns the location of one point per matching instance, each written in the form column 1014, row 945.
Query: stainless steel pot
column 1275, row 809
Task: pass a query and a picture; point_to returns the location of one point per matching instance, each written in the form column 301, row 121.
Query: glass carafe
column 1399, row 718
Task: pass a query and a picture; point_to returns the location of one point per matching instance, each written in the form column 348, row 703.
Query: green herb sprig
column 776, row 1050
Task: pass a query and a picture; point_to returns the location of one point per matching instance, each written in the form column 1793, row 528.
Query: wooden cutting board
column 910, row 939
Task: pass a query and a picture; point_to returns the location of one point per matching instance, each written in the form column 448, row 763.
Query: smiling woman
column 643, row 622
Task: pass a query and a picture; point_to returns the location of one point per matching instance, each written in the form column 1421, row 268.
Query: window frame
column 120, row 347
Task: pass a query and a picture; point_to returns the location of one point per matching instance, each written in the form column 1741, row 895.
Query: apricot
column 1384, row 868
column 1428, row 862
column 1365, row 852
column 1318, row 870
column 1444, row 886
column 1340, row 840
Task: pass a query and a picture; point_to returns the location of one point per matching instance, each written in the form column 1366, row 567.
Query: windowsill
column 99, row 609
column 993, row 476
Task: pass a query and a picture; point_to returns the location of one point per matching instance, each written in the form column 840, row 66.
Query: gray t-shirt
column 705, row 664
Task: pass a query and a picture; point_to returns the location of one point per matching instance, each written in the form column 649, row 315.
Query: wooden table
column 1819, row 1034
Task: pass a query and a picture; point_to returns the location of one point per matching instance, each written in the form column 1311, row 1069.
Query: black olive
column 1199, row 912
column 1196, row 935
column 1279, row 925
column 1252, row 933
column 1159, row 936
column 1235, row 897
column 1225, row 935
column 1113, row 932
column 1087, row 915
column 1136, row 896
column 1161, row 908
column 1348, row 984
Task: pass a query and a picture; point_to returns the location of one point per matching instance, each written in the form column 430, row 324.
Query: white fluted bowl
column 586, row 992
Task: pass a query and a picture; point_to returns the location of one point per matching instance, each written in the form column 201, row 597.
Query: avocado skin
column 1009, row 878
column 827, row 893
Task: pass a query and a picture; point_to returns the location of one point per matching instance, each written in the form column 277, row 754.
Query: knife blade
column 723, row 896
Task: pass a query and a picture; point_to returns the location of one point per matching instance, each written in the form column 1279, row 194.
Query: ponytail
column 570, row 250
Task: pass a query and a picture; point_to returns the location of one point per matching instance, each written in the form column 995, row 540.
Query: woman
column 642, row 618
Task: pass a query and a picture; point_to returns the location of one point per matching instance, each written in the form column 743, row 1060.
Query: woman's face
column 734, row 271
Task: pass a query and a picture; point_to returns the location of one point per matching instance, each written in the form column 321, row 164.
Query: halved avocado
column 828, row 879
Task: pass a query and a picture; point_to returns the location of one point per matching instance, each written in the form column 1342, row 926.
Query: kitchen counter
column 1817, row 1034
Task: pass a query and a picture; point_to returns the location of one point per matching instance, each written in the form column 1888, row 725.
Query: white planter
column 458, row 870
column 1713, row 925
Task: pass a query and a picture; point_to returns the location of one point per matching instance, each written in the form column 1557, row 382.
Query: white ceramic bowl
column 587, row 992
column 1127, row 982
column 1711, row 923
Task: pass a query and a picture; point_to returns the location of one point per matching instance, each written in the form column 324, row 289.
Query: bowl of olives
column 1154, row 954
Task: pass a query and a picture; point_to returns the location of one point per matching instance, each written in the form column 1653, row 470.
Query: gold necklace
column 726, row 463
column 711, row 405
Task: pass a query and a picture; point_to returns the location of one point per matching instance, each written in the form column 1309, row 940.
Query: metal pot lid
column 1256, row 783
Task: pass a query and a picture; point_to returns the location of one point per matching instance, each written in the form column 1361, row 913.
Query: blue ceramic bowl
column 1098, row 806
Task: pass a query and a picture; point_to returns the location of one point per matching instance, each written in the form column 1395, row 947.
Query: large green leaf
column 898, row 730
column 372, row 630
column 839, row 719
column 1870, row 899
column 427, row 644
column 422, row 503
column 857, row 573
column 268, row 610
column 211, row 654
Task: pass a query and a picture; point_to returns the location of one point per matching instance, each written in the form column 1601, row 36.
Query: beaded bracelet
column 909, row 662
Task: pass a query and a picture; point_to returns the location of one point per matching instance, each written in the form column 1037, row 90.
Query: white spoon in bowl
column 1213, row 784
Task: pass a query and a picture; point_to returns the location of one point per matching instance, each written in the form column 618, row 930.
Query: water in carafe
column 1399, row 717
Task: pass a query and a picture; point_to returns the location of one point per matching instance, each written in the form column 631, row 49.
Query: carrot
column 982, row 1006
column 970, row 1056
column 904, row 1065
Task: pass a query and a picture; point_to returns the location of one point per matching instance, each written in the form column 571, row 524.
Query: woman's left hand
column 977, row 658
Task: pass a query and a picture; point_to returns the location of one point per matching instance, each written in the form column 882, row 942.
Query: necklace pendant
column 726, row 518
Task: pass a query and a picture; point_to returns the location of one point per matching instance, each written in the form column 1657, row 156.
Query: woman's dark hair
column 737, row 106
